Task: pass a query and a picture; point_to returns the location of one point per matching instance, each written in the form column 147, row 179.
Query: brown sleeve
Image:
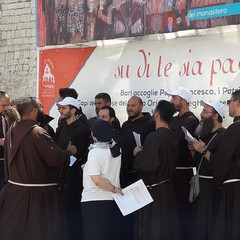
column 50, row 153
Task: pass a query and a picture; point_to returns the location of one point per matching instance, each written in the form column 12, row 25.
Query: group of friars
column 43, row 196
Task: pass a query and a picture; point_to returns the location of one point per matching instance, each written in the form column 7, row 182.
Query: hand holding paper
column 72, row 160
column 137, row 138
column 188, row 136
column 135, row 197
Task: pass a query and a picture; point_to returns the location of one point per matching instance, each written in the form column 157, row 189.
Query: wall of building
column 18, row 54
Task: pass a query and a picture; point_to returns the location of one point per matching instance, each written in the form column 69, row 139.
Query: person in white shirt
column 100, row 214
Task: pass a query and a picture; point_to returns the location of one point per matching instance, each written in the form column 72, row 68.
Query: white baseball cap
column 218, row 106
column 69, row 101
column 181, row 92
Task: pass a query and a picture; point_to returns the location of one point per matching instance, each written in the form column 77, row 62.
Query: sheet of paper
column 135, row 197
column 137, row 138
column 72, row 160
column 188, row 136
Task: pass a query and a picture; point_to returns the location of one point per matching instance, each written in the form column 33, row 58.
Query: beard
column 132, row 115
column 97, row 111
column 41, row 117
column 153, row 120
column 176, row 108
column 66, row 115
column 204, row 128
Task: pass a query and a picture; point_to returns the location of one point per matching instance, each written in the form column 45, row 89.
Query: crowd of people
column 59, row 184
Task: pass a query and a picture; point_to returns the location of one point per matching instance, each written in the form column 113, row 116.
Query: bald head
column 134, row 107
column 136, row 99
column 27, row 104
column 4, row 102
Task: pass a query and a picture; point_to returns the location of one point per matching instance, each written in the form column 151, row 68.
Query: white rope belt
column 207, row 177
column 231, row 181
column 156, row 184
column 183, row 168
column 1, row 159
column 32, row 184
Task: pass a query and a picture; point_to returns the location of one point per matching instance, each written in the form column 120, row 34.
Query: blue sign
column 214, row 11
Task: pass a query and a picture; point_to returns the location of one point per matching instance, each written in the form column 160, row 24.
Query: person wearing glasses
column 210, row 133
column 226, row 176
column 181, row 98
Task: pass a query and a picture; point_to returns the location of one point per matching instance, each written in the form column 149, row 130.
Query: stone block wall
column 18, row 51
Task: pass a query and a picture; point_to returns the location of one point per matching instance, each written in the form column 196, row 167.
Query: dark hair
column 27, row 104
column 220, row 119
column 236, row 95
column 105, row 96
column 166, row 110
column 111, row 111
column 68, row 92
column 77, row 110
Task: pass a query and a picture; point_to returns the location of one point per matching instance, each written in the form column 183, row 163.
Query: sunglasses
column 229, row 101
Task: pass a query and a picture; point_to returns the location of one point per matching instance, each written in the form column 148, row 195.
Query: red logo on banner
column 58, row 71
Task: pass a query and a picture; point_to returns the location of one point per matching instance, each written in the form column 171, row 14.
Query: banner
column 209, row 66
column 75, row 21
column 58, row 68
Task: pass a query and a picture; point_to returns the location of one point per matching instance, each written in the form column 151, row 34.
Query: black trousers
column 101, row 220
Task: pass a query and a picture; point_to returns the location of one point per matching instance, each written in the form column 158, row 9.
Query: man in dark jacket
column 70, row 184
column 210, row 133
column 139, row 124
column 155, row 164
column 226, row 176
column 180, row 99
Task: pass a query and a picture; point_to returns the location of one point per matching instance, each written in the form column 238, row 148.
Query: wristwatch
column 204, row 152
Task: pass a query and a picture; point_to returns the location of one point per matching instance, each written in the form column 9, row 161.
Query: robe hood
column 15, row 136
column 47, row 119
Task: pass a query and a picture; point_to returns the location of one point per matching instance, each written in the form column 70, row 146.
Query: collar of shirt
column 236, row 118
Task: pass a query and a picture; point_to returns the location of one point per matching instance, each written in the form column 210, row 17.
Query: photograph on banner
column 207, row 65
column 75, row 21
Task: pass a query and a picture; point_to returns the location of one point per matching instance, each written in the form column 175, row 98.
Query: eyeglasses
column 231, row 100
column 205, row 111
